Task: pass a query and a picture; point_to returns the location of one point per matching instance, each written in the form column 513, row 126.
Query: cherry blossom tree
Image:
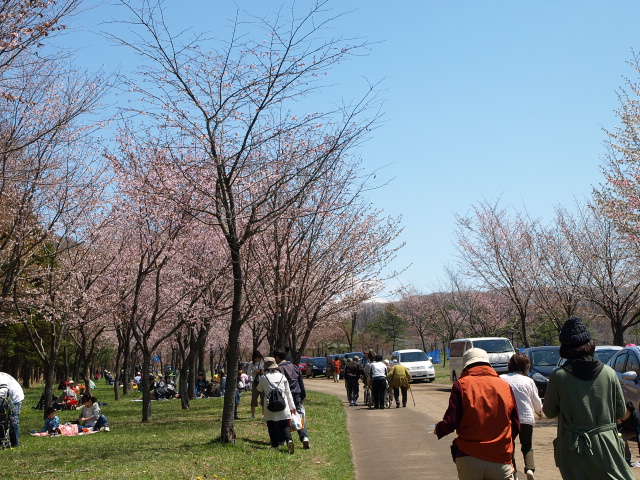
column 608, row 260
column 322, row 265
column 25, row 25
column 619, row 197
column 422, row 313
column 498, row 251
column 559, row 294
column 44, row 298
column 241, row 153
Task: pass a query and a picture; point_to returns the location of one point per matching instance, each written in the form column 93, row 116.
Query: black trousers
column 379, row 391
column 353, row 389
column 526, row 440
column 279, row 432
column 396, row 395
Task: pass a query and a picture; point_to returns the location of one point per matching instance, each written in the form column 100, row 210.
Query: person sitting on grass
column 90, row 415
column 51, row 422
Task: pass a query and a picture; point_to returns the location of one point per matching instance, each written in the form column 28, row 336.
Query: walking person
column 482, row 411
column 586, row 396
column 529, row 405
column 378, row 372
column 14, row 395
column 399, row 378
column 255, row 370
column 352, row 373
column 292, row 373
column 277, row 421
column 337, row 365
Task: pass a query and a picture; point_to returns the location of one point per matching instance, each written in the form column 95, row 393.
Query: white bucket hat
column 475, row 355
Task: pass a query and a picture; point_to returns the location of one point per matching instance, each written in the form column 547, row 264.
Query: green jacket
column 587, row 446
column 399, row 376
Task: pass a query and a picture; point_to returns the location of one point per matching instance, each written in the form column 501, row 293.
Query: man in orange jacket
column 483, row 412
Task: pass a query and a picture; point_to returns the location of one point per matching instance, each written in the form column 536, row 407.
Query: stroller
column 5, row 411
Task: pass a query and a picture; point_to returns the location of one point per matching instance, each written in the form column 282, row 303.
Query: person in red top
column 483, row 412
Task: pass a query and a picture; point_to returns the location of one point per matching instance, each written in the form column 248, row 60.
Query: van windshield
column 497, row 345
column 413, row 357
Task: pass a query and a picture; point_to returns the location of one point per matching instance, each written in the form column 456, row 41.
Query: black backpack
column 275, row 399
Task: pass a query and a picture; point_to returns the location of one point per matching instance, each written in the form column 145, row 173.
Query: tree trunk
column 49, row 382
column 185, row 401
column 146, row 390
column 523, row 328
column 116, row 385
column 125, row 372
column 618, row 335
column 87, row 378
column 228, row 431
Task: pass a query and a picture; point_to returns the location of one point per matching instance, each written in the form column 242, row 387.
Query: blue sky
column 483, row 99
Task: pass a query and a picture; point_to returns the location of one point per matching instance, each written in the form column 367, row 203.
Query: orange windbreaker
column 489, row 421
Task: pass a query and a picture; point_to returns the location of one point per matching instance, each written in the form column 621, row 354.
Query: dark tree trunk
column 146, row 390
column 228, row 431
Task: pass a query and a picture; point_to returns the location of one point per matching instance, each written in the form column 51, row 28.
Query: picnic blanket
column 68, row 431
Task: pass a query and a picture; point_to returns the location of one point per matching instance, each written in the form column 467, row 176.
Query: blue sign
column 156, row 358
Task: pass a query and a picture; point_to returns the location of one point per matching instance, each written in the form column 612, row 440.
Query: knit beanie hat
column 574, row 333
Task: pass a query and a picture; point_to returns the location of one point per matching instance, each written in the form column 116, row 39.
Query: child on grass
column 51, row 422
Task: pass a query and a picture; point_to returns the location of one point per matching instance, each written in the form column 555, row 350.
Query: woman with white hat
column 277, row 419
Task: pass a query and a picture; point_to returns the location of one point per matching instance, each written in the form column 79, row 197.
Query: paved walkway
column 394, row 443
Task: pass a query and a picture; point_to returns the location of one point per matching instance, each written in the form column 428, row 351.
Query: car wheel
column 429, row 380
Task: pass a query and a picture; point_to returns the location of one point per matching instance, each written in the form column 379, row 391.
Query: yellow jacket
column 399, row 376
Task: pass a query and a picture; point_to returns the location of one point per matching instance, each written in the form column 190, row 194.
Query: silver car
column 626, row 364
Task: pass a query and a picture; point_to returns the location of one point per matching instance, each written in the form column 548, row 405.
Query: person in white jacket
column 277, row 421
column 11, row 390
column 529, row 405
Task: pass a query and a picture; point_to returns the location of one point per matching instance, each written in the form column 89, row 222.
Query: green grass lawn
column 180, row 444
column 442, row 374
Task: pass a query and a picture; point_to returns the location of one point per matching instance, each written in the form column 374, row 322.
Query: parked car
column 626, row 364
column 303, row 365
column 316, row 366
column 544, row 360
column 418, row 363
column 360, row 355
column 499, row 349
column 603, row 353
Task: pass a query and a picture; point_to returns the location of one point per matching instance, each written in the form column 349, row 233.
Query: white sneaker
column 634, row 464
column 291, row 446
column 530, row 475
column 305, row 443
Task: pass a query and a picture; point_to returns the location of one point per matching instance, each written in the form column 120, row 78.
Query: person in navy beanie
column 587, row 398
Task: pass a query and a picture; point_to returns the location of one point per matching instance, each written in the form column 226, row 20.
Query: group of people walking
column 379, row 376
column 488, row 412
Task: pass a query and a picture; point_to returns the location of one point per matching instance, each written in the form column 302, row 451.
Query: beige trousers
column 471, row 468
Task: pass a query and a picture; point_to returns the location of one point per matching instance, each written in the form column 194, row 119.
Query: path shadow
column 442, row 389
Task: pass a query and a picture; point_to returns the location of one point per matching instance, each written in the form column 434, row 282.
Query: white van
column 499, row 349
column 418, row 363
